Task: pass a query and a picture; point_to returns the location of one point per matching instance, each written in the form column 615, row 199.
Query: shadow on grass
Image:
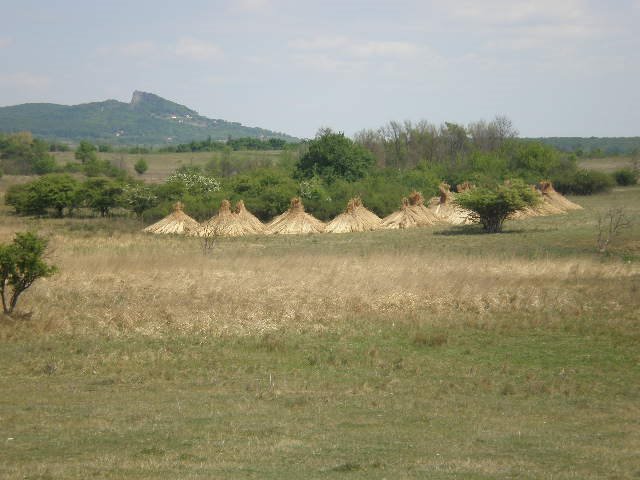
column 477, row 230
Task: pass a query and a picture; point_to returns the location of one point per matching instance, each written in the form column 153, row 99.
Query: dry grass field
column 161, row 165
column 426, row 353
column 608, row 165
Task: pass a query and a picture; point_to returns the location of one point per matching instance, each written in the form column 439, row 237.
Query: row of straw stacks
column 356, row 218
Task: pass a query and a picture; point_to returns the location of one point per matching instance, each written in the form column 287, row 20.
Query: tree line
column 380, row 166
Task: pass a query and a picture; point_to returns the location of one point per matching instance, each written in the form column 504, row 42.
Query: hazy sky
column 555, row 67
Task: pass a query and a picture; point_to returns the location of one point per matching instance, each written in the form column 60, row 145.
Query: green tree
column 23, row 155
column 53, row 191
column 141, row 166
column 492, row 205
column 138, row 198
column 333, row 156
column 86, row 152
column 101, row 194
column 21, row 264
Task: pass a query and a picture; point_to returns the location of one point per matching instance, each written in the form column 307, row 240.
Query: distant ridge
column 589, row 145
column 147, row 120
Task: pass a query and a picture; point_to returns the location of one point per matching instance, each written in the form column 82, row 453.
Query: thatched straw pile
column 464, row 187
column 551, row 203
column 225, row 224
column 356, row 218
column 444, row 208
column 406, row 217
column 177, row 222
column 556, row 199
column 416, row 203
column 542, row 209
column 248, row 218
column 294, row 221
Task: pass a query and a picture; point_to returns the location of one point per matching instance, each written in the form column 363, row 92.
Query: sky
column 554, row 67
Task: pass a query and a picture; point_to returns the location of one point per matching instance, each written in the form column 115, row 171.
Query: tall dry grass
column 133, row 283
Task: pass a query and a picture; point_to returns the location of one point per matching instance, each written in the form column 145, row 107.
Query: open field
column 608, row 165
column 426, row 353
column 161, row 165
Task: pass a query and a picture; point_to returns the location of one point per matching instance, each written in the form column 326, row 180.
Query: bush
column 22, row 154
column 21, row 264
column 141, row 166
column 54, row 191
column 101, row 194
column 625, row 177
column 583, row 182
column 492, row 205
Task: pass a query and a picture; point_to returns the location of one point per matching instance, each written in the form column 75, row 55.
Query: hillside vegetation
column 148, row 120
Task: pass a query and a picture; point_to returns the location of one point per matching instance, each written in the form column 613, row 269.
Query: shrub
column 138, row 198
column 54, row 191
column 141, row 166
column 21, row 264
column 101, row 194
column 625, row 177
column 492, row 205
column 583, row 182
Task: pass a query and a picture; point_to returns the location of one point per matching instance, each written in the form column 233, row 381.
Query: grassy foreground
column 431, row 353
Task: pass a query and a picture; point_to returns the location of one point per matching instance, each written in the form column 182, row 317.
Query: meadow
column 162, row 164
column 426, row 353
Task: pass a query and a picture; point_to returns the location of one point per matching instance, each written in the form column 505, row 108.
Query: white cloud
column 24, row 79
column 5, row 42
column 249, row 6
column 495, row 12
column 341, row 54
column 325, row 63
column 194, row 49
column 138, row 49
column 143, row 48
column 346, row 46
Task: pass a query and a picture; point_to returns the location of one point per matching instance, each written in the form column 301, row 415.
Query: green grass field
column 428, row 353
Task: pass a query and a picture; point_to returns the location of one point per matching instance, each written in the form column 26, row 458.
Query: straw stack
column 556, row 199
column 224, row 224
column 177, row 222
column 294, row 221
column 247, row 218
column 416, row 203
column 406, row 217
column 542, row 209
column 356, row 218
column 444, row 208
column 464, row 187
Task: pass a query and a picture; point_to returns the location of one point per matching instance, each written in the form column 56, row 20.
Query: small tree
column 86, row 152
column 610, row 225
column 101, row 194
column 491, row 206
column 141, row 166
column 21, row 264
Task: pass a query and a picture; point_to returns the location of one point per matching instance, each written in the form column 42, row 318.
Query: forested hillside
column 147, row 120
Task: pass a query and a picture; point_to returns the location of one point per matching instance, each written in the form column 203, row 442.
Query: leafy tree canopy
column 333, row 156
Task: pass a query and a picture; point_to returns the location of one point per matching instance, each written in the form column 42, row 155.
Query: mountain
column 147, row 120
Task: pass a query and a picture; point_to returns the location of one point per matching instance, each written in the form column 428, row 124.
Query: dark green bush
column 54, row 191
column 492, row 205
column 625, row 177
column 583, row 182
